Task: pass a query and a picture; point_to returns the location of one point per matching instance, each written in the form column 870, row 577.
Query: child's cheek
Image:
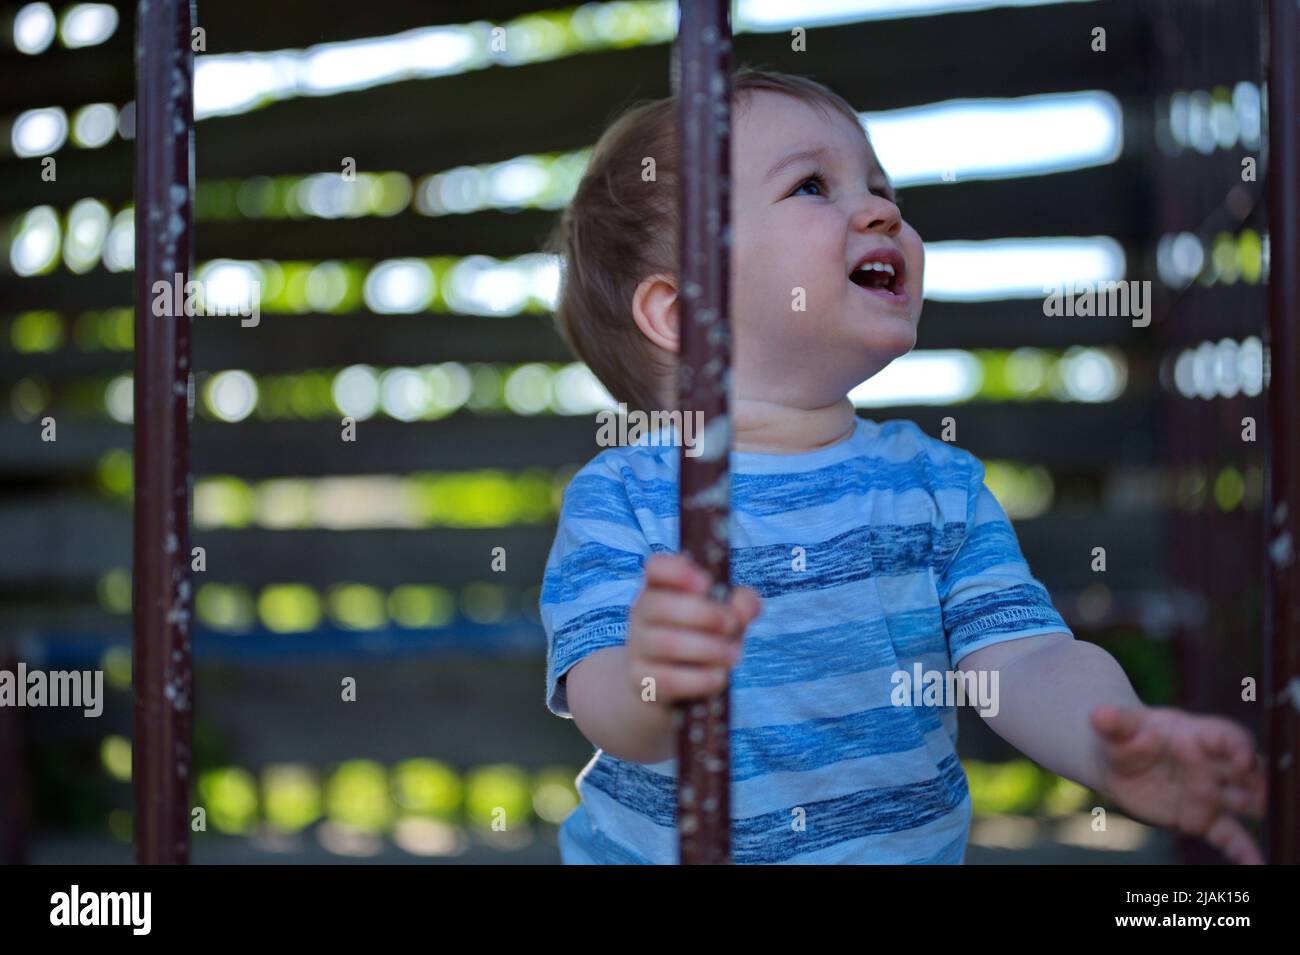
column 916, row 261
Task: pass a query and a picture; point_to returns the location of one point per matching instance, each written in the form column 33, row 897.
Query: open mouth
column 882, row 272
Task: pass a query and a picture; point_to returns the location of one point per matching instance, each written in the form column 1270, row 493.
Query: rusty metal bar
column 1282, row 648
column 702, row 81
column 163, row 600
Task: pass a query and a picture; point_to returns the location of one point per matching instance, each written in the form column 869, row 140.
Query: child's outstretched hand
column 1188, row 772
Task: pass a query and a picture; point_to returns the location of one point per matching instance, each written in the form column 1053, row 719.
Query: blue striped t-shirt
column 871, row 555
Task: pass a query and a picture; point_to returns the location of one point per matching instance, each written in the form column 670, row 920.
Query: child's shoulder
column 619, row 479
column 901, row 441
column 636, row 474
column 629, row 462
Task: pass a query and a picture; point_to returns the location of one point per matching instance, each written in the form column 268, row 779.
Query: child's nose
column 876, row 214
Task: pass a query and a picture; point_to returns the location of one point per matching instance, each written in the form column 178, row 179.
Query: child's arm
column 610, row 713
column 1047, row 686
column 1067, row 705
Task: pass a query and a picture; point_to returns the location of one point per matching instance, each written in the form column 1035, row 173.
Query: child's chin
column 893, row 333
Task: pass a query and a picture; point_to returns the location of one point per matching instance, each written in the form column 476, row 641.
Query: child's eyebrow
column 816, row 152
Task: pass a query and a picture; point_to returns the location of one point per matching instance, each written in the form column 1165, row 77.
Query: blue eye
column 817, row 178
column 885, row 192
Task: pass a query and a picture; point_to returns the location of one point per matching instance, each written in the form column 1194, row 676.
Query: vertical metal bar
column 164, row 177
column 703, row 80
column 1282, row 650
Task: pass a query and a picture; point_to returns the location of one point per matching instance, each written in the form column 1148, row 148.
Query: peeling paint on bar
column 717, row 438
column 702, row 82
column 717, row 494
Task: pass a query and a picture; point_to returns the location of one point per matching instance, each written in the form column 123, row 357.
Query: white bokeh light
column 356, row 391
column 235, row 82
column 87, row 24
column 39, row 132
column 528, row 389
column 405, row 394
column 34, row 28
column 232, row 395
column 770, row 15
column 479, row 285
column 119, row 249
column 35, row 248
column 1093, row 374
column 94, row 125
column 984, row 139
column 88, row 222
column 922, row 378
column 578, row 391
column 961, row 271
column 119, row 399
column 230, row 286
column 515, row 182
column 399, row 286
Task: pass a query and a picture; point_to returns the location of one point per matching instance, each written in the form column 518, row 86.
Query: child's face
column 789, row 234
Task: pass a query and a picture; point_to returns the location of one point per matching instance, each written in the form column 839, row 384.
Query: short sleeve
column 986, row 590
column 593, row 574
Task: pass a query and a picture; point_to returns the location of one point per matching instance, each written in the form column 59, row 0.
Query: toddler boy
column 863, row 553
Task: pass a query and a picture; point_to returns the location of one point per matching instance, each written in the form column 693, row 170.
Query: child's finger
column 1247, row 800
column 685, row 611
column 745, row 604
column 1231, row 838
column 1116, row 725
column 1250, row 782
column 671, row 645
column 685, row 682
column 1135, row 753
column 1225, row 740
column 675, row 572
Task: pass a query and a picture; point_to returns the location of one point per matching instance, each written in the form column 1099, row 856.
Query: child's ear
column 655, row 311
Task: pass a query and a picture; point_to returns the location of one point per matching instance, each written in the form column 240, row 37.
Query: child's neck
column 770, row 428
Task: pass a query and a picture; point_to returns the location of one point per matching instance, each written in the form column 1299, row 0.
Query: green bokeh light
column 289, row 608
column 115, row 591
column 489, row 789
column 229, row 795
column 117, row 666
column 292, row 796
column 418, row 605
column 115, row 755
column 427, row 787
column 114, row 471
column 40, row 331
column 357, row 795
column 357, row 606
